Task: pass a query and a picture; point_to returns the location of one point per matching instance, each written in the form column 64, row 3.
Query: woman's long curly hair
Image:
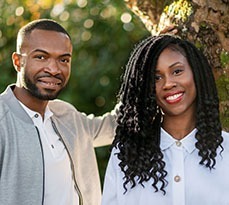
column 139, row 121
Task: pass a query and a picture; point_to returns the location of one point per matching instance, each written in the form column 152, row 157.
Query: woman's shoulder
column 225, row 136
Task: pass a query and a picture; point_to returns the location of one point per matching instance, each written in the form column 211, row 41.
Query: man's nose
column 52, row 67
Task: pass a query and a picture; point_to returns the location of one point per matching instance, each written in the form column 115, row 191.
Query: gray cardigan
column 21, row 154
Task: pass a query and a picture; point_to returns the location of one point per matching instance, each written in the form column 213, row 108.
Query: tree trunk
column 203, row 22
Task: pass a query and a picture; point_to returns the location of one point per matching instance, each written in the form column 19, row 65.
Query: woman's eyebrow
column 174, row 64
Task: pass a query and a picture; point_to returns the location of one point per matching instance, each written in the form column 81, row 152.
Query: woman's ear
column 16, row 58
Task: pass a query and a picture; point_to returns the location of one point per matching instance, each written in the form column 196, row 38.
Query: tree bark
column 203, row 22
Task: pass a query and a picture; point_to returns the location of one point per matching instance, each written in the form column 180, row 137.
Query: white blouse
column 189, row 183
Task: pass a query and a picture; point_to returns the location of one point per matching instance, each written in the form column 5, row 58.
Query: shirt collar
column 32, row 114
column 188, row 142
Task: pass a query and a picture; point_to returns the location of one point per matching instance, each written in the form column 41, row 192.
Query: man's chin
column 49, row 96
column 46, row 96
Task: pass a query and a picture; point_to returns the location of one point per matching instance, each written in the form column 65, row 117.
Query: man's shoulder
column 58, row 106
column 57, row 103
column 4, row 109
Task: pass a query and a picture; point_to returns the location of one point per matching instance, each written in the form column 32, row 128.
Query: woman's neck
column 178, row 127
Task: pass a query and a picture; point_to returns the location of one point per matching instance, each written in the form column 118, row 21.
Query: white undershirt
column 59, row 184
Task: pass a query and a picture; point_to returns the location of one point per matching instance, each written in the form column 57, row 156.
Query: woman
column 169, row 148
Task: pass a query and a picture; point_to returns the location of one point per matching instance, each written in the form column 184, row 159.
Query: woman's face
column 175, row 87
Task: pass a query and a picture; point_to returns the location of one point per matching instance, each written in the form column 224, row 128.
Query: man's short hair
column 42, row 24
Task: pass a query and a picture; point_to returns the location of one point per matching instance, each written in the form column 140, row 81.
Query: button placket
column 178, row 184
column 177, row 178
column 178, row 143
column 42, row 128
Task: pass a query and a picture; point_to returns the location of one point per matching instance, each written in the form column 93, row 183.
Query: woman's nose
column 169, row 83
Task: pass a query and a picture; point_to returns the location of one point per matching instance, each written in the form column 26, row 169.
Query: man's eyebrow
column 44, row 51
column 40, row 50
column 66, row 54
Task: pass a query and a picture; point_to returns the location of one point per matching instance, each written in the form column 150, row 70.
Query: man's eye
column 40, row 57
column 64, row 60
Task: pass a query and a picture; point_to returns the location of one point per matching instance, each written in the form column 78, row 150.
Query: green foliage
column 180, row 10
column 102, row 43
column 223, row 91
column 223, row 87
column 224, row 58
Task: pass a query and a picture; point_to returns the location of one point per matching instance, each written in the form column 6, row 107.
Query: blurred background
column 103, row 34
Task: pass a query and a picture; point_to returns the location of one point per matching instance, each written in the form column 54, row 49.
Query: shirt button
column 36, row 115
column 177, row 178
column 178, row 143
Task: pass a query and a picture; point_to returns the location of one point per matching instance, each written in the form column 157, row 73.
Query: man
column 46, row 145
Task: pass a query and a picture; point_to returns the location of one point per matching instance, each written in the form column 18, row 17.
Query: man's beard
column 34, row 91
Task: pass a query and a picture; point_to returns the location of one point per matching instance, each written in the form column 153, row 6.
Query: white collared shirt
column 59, row 184
column 189, row 183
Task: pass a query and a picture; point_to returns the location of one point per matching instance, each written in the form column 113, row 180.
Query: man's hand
column 171, row 29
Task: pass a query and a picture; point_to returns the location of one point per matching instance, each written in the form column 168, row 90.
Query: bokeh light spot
column 126, row 17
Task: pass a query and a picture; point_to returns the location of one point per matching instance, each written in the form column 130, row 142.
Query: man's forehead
column 47, row 37
column 45, row 33
column 50, row 42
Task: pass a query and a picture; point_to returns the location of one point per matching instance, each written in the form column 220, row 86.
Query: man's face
column 45, row 63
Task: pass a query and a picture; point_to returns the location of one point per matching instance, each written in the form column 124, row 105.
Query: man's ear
column 16, row 58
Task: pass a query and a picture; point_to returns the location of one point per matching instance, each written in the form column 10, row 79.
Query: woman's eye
column 178, row 71
column 157, row 77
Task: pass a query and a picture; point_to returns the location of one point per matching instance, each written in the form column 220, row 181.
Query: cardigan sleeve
column 102, row 128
